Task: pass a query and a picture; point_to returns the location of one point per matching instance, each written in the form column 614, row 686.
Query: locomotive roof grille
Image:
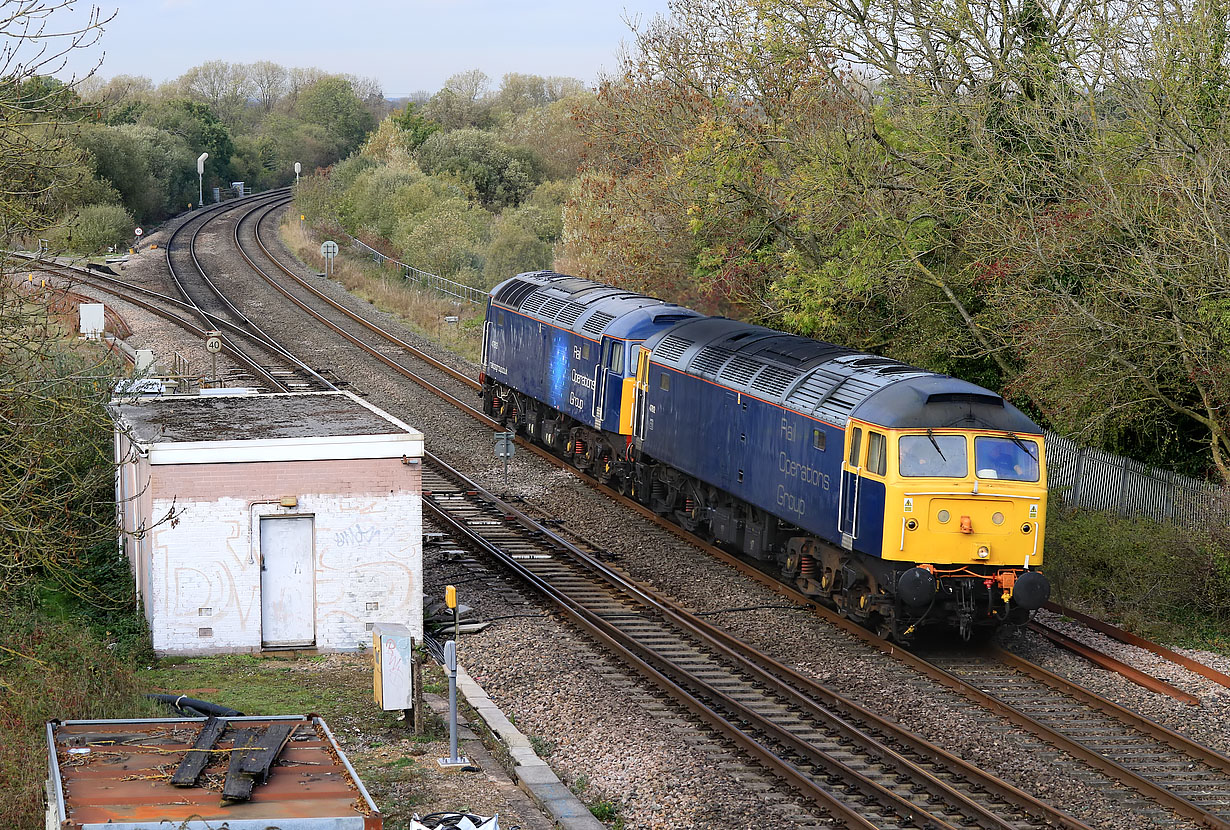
column 552, row 307
column 740, row 370
column 672, row 347
column 774, row 380
column 710, row 360
column 535, row 303
column 597, row 322
column 570, row 314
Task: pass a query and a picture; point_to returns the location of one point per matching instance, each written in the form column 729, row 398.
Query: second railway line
column 652, row 561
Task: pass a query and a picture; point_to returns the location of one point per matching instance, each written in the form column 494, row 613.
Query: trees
column 55, row 472
column 94, row 229
column 1028, row 193
column 331, row 102
column 37, row 160
column 269, row 82
column 499, row 174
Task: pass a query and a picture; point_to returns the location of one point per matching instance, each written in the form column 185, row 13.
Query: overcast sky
column 408, row 46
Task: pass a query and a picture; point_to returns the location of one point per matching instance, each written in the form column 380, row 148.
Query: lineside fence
column 1093, row 478
column 452, row 288
column 1084, row 476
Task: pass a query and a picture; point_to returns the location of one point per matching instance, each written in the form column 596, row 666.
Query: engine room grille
column 672, row 347
column 774, row 381
column 709, row 360
column 552, row 307
column 534, row 303
column 739, row 370
column 570, row 314
column 597, row 322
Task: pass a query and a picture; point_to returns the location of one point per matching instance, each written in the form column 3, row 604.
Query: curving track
column 1167, row 775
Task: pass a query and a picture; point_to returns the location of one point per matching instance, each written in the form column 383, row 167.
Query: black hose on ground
column 191, row 707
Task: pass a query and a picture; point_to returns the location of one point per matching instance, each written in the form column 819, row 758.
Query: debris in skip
column 194, row 772
column 459, row 821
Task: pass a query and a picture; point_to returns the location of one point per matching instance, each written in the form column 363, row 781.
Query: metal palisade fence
column 1088, row 477
column 452, row 288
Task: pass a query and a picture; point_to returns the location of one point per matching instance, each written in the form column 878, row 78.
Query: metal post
column 450, row 663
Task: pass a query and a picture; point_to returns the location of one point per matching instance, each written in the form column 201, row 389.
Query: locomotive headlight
column 998, row 518
column 943, row 516
column 984, row 552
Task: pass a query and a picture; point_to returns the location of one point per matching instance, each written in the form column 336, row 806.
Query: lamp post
column 200, row 178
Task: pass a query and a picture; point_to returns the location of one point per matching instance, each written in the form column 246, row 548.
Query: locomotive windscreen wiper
column 936, row 444
column 1022, row 445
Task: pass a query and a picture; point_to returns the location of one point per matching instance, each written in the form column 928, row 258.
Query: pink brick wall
column 274, row 479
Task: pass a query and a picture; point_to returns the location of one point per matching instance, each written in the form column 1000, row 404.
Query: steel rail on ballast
column 1140, row 642
column 136, row 294
column 485, row 521
column 206, row 216
column 1136, row 780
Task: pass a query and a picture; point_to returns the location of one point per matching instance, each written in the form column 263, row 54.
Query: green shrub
column 1160, row 581
column 51, row 669
column 94, row 228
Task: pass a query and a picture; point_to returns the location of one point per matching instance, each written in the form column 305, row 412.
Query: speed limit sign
column 213, row 343
column 138, row 231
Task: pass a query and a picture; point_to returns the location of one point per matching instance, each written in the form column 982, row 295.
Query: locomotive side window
column 615, row 359
column 817, row 439
column 500, row 318
column 877, row 453
column 856, row 446
column 664, row 382
column 1006, row 459
column 585, row 350
column 933, row 455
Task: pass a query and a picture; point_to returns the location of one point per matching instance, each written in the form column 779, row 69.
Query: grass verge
column 1165, row 583
column 423, row 311
column 52, row 667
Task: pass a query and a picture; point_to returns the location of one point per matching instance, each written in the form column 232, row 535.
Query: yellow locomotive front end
column 969, row 507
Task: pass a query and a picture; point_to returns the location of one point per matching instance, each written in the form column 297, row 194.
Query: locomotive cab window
column 615, row 357
column 933, row 455
column 877, row 453
column 856, row 446
column 817, row 439
column 1008, row 459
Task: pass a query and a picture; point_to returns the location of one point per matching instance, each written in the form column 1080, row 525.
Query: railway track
column 211, row 304
column 1115, row 747
column 855, row 766
column 1065, row 736
column 1185, row 776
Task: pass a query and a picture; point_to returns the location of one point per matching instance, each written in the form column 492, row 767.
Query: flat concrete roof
column 181, row 418
column 270, row 427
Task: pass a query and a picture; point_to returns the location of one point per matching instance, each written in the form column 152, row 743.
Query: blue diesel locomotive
column 902, row 497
